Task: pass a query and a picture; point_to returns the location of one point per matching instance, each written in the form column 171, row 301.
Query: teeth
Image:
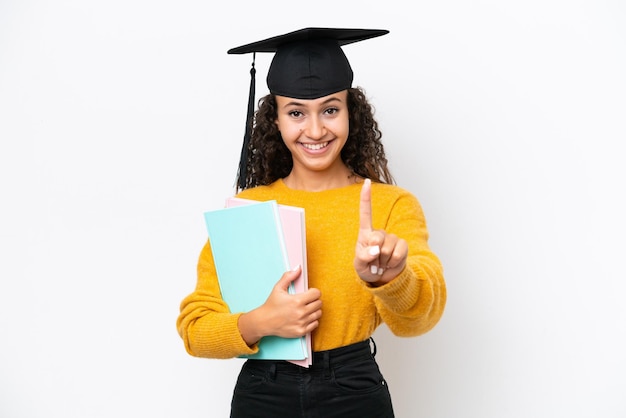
column 315, row 146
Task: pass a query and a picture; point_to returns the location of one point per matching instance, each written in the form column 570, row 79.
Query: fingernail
column 296, row 268
column 381, row 271
column 374, row 250
column 373, row 269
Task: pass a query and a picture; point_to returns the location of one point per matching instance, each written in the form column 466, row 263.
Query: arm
column 205, row 323
column 410, row 294
column 208, row 329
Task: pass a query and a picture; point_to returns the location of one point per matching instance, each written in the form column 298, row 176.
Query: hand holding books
column 283, row 314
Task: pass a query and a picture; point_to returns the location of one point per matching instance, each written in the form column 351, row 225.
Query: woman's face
column 314, row 131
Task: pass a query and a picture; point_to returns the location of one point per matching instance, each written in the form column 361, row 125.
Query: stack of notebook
column 254, row 244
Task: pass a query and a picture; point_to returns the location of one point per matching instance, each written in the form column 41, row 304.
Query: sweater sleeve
column 413, row 302
column 205, row 323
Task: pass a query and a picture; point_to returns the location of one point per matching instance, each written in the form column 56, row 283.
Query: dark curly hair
column 269, row 159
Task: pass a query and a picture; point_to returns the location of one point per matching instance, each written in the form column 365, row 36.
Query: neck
column 316, row 182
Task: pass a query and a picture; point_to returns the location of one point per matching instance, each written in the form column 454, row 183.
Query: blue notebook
column 294, row 232
column 250, row 256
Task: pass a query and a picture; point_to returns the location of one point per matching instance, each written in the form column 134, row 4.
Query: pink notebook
column 294, row 230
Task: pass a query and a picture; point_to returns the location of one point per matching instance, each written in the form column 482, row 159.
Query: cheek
column 288, row 131
column 341, row 127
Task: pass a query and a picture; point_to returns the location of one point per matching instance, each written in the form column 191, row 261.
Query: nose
column 315, row 129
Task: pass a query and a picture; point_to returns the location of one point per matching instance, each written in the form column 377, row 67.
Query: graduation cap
column 308, row 64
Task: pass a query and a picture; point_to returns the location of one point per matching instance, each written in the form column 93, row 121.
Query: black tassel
column 243, row 160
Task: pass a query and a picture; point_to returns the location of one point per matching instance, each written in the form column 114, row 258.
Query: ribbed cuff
column 400, row 294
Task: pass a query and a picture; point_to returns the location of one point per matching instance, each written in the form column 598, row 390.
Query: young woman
column 315, row 144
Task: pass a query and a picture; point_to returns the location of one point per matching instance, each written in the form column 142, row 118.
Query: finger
column 365, row 209
column 386, row 251
column 310, row 297
column 397, row 257
column 314, row 308
column 400, row 254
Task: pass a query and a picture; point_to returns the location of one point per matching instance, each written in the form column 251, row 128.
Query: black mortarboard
column 308, row 63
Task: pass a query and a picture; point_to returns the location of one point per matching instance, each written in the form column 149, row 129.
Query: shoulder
column 391, row 191
column 395, row 199
column 260, row 192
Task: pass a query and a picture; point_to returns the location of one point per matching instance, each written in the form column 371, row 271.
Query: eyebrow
column 329, row 100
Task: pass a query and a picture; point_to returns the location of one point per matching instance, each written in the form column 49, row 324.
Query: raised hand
column 379, row 256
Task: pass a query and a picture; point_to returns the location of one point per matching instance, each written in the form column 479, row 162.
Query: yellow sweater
column 410, row 305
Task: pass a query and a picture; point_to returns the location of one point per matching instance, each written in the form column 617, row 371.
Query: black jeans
column 345, row 382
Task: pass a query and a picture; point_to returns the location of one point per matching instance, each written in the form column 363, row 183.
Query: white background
column 121, row 122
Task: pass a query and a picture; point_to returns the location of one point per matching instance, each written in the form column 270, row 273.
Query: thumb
column 288, row 277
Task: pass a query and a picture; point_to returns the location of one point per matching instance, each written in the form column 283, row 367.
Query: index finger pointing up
column 365, row 211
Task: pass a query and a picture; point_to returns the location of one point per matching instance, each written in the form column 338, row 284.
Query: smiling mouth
column 315, row 147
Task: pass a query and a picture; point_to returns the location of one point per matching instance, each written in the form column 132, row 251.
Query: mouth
column 316, row 146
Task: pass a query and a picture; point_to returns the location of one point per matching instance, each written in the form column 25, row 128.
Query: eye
column 295, row 113
column 331, row 110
